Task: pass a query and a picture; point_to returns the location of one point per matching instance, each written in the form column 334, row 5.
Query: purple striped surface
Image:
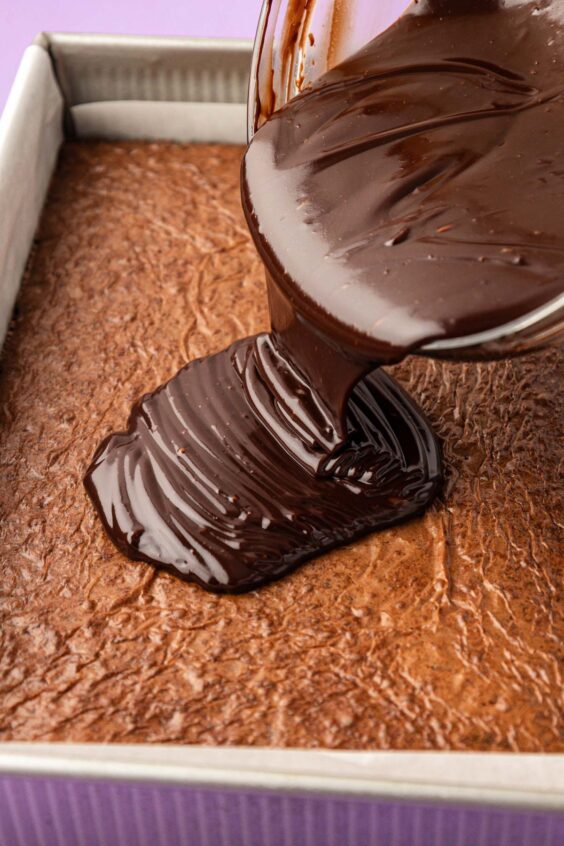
column 36, row 811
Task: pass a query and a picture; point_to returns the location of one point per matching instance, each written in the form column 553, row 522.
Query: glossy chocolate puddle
column 412, row 194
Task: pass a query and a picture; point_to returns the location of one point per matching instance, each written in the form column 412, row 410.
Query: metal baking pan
column 195, row 90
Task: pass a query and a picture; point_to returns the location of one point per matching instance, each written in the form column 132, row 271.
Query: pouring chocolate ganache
column 415, row 192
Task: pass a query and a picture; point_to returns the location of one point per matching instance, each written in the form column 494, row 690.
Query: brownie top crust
column 444, row 633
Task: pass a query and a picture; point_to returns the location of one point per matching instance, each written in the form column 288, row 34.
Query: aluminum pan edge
column 535, row 781
column 31, row 132
column 95, row 68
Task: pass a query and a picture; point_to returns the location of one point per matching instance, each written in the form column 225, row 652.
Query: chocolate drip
column 214, row 477
column 414, row 193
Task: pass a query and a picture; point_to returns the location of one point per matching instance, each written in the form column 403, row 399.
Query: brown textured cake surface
column 444, row 633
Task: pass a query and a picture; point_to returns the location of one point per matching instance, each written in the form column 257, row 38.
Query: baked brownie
column 444, row 633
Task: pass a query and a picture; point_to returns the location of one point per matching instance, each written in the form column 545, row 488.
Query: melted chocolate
column 412, row 194
column 215, row 480
column 415, row 192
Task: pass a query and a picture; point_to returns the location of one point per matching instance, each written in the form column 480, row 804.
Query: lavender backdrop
column 21, row 20
column 65, row 812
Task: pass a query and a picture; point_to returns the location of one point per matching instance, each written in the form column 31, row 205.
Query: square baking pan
column 189, row 90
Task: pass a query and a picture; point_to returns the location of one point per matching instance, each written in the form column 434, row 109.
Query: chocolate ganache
column 413, row 193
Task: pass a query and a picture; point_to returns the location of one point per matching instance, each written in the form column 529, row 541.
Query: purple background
column 21, row 20
column 65, row 812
